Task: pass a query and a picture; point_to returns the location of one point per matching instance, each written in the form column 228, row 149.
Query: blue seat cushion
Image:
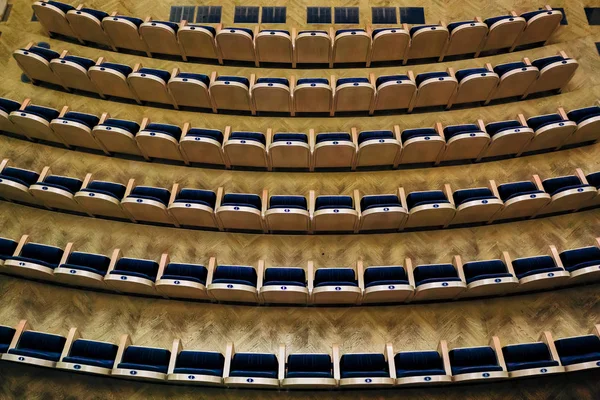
column 296, row 202
column 22, row 176
column 465, row 195
column 570, row 360
column 416, row 199
column 254, row 365
column 491, row 21
column 378, row 201
column 418, row 363
column 71, row 185
column 531, row 14
column 594, row 179
column 6, row 336
column 88, row 120
column 529, row 355
column 89, row 361
column 159, row 73
column 578, row 115
column 316, row 81
column 136, row 267
column 290, row 137
column 541, row 121
column 474, row 359
column 40, row 345
column 235, row 274
column 82, row 61
column 172, row 130
column 144, row 367
column 194, row 273
column 242, row 200
column 46, row 54
column 8, row 105
column 340, row 31
column 356, row 81
column 200, row 77
column 136, row 21
column 478, row 270
column 50, row 255
column 463, row 73
column 504, row 68
column 363, row 365
column 335, row 277
column 207, row 27
column 198, row 371
column 275, row 31
column 534, row 265
column 560, row 184
column 206, row 133
column 408, row 134
column 239, row 79
column 197, row 196
column 211, row 363
column 146, row 358
column 374, row 135
column 112, row 189
column 434, row 273
column 129, row 126
column 309, row 366
column 391, row 30
column 171, row 25
column 430, row 75
column 416, row 29
column 279, row 276
column 43, row 112
column 578, row 349
column 508, row 191
column 277, row 81
column 44, row 355
column 254, row 374
column 477, row 368
column 252, row 136
column 7, row 249
column 62, row 6
column 92, row 353
column 308, row 374
column 580, row 258
column 100, row 15
column 403, row 373
column 453, row 25
column 498, row 127
column 393, row 275
column 391, row 78
column 454, row 130
column 335, row 136
column 132, row 273
column 245, row 30
column 541, row 63
column 124, row 69
column 96, row 262
column 161, row 195
column 333, row 202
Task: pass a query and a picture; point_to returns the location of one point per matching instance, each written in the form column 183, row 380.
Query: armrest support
column 212, row 265
column 458, row 264
column 409, row 271
column 71, row 337
column 66, row 253
column 116, row 255
column 282, row 361
column 162, row 265
column 335, row 351
column 389, row 355
column 495, row 344
column 443, row 350
column 175, row 350
column 229, row 352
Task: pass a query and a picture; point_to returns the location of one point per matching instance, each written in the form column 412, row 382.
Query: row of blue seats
column 285, row 285
column 392, row 43
column 200, row 208
column 516, row 79
column 296, row 150
column 300, row 370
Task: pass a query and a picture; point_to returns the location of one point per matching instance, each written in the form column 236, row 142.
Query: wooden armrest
column 162, row 265
column 212, row 265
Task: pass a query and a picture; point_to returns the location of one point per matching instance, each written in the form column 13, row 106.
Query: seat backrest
column 159, row 73
column 29, row 177
column 146, row 356
column 97, row 261
column 476, row 268
column 293, row 201
column 72, row 185
column 579, row 345
column 363, row 362
column 191, row 270
column 323, row 275
column 7, row 248
column 333, row 202
column 463, row 195
column 146, row 267
column 379, row 200
column 89, row 120
column 309, row 363
column 526, row 352
column 524, row 265
column 161, row 195
column 171, row 130
column 200, row 359
column 129, row 126
column 553, row 185
column 41, row 342
column 540, row 121
column 473, row 356
column 6, row 334
column 418, row 360
column 414, row 199
column 236, row 272
column 49, row 254
column 395, row 273
column 570, row 258
column 207, row 196
column 433, row 271
column 509, row 189
column 285, row 275
column 93, row 349
column 117, row 189
column 244, row 200
column 254, row 362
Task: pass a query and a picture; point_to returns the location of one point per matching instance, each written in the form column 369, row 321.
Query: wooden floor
column 157, row 322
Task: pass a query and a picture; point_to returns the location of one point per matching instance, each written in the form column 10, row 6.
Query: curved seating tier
column 315, row 285
column 356, row 45
column 282, row 369
column 313, row 95
column 385, row 148
column 248, row 212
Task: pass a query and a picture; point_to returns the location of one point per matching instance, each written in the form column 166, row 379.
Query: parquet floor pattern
column 156, row 322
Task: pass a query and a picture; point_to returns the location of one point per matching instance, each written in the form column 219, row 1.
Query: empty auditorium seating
column 287, row 213
column 382, row 212
column 333, row 213
column 422, row 145
column 232, row 93
column 389, row 44
column 475, row 84
column 380, row 147
column 540, row 26
column 555, row 73
column 333, row 149
column 15, row 183
column 549, row 131
column 158, row 140
column 200, row 145
column 272, row 95
column 274, row 46
column 487, row 277
column 385, row 284
column 240, row 211
column 335, row 285
column 288, row 150
column 151, row 85
column 56, row 191
column 75, row 129
column 530, row 359
column 79, row 268
column 472, row 364
column 7, row 249
column 131, row 275
column 193, row 207
column 233, row 282
column 476, row 204
column 464, row 142
column 87, row 356
column 123, row 32
column 112, row 78
column 257, row 370
column 147, row 203
column 7, row 334
column 568, row 192
column 366, row 369
column 284, row 285
column 521, row 199
column 579, row 352
column 309, row 371
column 429, row 208
column 435, row 88
column 428, row 367
column 437, row 281
column 161, row 37
column 118, row 136
column 53, row 16
column 583, row 264
column 427, row 41
column 466, row 37
column 35, row 348
column 141, row 362
column 35, row 63
column 86, row 24
column 245, row 149
column 33, row 260
column 181, row 280
column 237, row 44
column 198, row 41
column 33, row 122
column 394, row 92
column 195, row 367
column 350, row 46
column 515, row 79
column 587, row 120
column 102, row 198
column 538, row 272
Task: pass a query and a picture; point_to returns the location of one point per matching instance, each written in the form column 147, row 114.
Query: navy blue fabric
column 252, row 136
column 82, row 61
column 528, row 355
column 62, row 6
column 129, row 126
column 544, row 62
column 578, row 349
column 335, row 136
column 452, row 26
column 199, row 363
column 46, row 54
column 146, row 269
column 416, row 199
column 277, row 276
column 207, row 27
column 453, row 130
column 363, row 365
column 430, row 75
column 172, row 130
column 374, row 135
column 531, row 14
column 159, row 73
column 296, row 202
column 475, row 359
column 206, row 133
column 161, row 195
column 136, row 21
column 242, row 200
column 89, row 352
column 200, row 77
column 578, row 115
column 378, row 201
column 22, row 176
column 379, row 30
column 254, row 365
column 504, row 68
column 309, row 366
column 491, row 21
column 280, row 81
column 197, row 196
column 124, row 69
column 389, row 78
column 6, row 336
column 340, row 31
column 71, row 185
column 343, row 81
column 541, row 121
column 335, row 276
column 235, row 274
column 239, row 79
column 171, row 25
column 8, row 105
column 112, row 189
column 40, row 345
column 415, row 29
column 408, row 134
column 7, row 248
column 96, row 262
column 100, row 15
column 146, row 358
column 508, row 191
column 477, row 270
column 290, row 137
column 375, row 276
column 534, row 265
column 498, row 127
column 88, row 120
column 189, row 272
column 464, row 195
column 331, row 202
column 246, row 30
column 463, row 73
column 560, row 184
column 418, row 363
column 427, row 273
column 308, row 81
column 35, row 252
column 580, row 258
column 594, row 179
column 43, row 112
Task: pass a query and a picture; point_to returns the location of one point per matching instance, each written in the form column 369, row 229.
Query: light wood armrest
column 137, row 67
column 71, row 337
column 185, row 130
column 182, row 23
column 527, row 61
column 411, row 76
column 494, row 188
column 495, row 344
column 86, row 181
column 311, row 276
column 63, row 111
column 596, row 330
column 360, row 275
column 260, row 274
column 174, row 192
column 265, row 202
column 579, row 173
column 335, row 351
column 458, row 265
column 252, row 81
column 175, row 350
column 450, row 71
column 129, row 188
column 522, row 119
column 311, row 140
column 402, row 198
column 547, row 7
column 213, row 77
column 25, row 104
column 356, row 195
column 556, row 256
column 481, row 125
column 448, row 193
column 21, row 327
column 478, row 19
column 66, row 253
column 162, row 265
column 538, row 182
column 212, row 265
column 282, row 361
column 148, row 19
column 513, row 14
column 64, row 53
column 311, row 203
column 332, row 35
column 354, row 136
column 398, row 134
column 4, row 164
column 269, row 138
column 489, row 67
column 175, row 72
column 22, row 242
column 144, row 123
column 220, row 191
column 439, row 129
column 124, row 342
column 597, row 242
column 389, row 355
column 100, row 60
column 546, row 337
column 226, row 134
column 103, row 118
column 443, row 350
column 116, row 255
column 508, row 263
column 561, row 111
column 409, row 271
column 44, row 174
column 229, row 352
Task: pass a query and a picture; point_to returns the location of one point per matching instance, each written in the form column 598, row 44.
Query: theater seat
column 488, row 278
column 521, row 199
column 159, row 140
column 376, row 148
column 389, row 44
column 550, row 131
column 73, row 72
column 6, row 336
column 475, row 205
column 387, row 284
column 422, row 145
column 466, row 37
column 583, row 264
column 193, row 207
column 568, row 193
column 257, row 370
column 201, row 145
column 333, row 213
column 181, row 280
column 472, row 364
column 353, row 95
column 53, row 17
column 503, row 32
column 34, row 260
column 364, row 370
column 232, row 283
column 7, row 106
column 420, row 367
column 429, row 208
column 131, row 275
column 287, row 213
column 90, row 356
column 161, row 37
column 86, row 23
column 75, row 129
column 530, row 359
column 34, row 122
column 237, row 44
column 37, row 348
column 588, row 124
column 507, row 138
column 147, row 203
column 465, row 142
column 7, row 249
column 475, row 85
column 274, row 46
column 55, row 191
column 555, row 73
column 272, row 95
column 313, row 95
column 143, row 363
column 435, row 89
column 102, row 198
column 382, row 212
column 539, row 272
column 284, row 285
column 118, row 136
column 336, row 286
column 515, row 79
column 15, row 183
column 123, row 32
column 240, row 211
column 540, row 26
column 288, row 150
column 82, row 269
column 333, row 149
column 307, row 371
column 190, row 89
column 35, row 61
column 313, row 47
column 112, row 78
column 427, row 41
column 350, row 46
column 198, row 41
column 150, row 85
column 197, row 367
column 437, row 281
column 579, row 352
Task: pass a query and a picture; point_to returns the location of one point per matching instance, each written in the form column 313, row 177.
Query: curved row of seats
column 205, row 209
column 392, row 43
column 287, row 285
column 285, row 150
column 306, row 95
column 287, row 370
